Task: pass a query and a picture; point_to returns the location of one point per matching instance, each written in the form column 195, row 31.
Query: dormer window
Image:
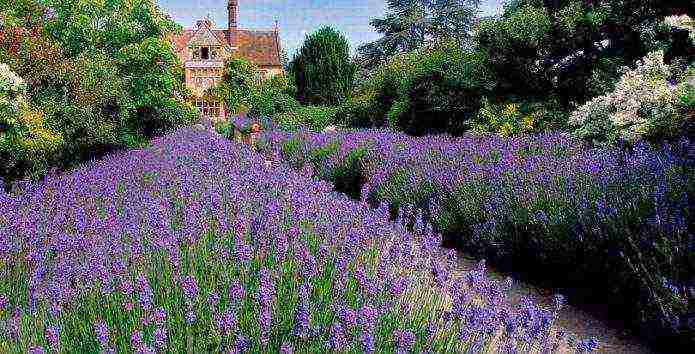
column 204, row 53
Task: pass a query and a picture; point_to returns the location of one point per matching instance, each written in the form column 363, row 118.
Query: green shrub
column 420, row 92
column 27, row 143
column 315, row 118
column 511, row 118
column 644, row 104
column 97, row 80
column 243, row 93
column 322, row 68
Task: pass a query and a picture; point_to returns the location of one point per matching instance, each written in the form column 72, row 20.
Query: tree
column 412, row 24
column 566, row 48
column 99, row 74
column 322, row 68
column 242, row 90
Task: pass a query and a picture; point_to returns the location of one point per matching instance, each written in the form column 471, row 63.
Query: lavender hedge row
column 614, row 220
column 192, row 245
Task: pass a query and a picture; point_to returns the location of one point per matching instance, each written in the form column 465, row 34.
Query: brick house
column 204, row 49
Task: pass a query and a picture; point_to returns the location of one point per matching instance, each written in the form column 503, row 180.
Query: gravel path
column 571, row 318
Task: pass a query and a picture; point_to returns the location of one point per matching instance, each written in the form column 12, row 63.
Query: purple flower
column 36, row 350
column 160, row 337
column 367, row 341
column 159, row 316
column 405, row 340
column 213, row 299
column 126, row 287
column 301, row 321
column 53, row 336
column 348, row 316
column 337, row 340
column 558, row 301
column 3, row 300
column 242, row 344
column 368, row 317
column 190, row 316
column 190, row 288
column 102, row 333
column 588, row 345
column 286, row 348
column 226, row 321
column 399, row 286
column 243, row 253
column 136, row 338
column 265, row 320
column 236, row 292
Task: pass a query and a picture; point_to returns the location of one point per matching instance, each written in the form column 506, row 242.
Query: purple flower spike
column 558, row 301
column 190, row 288
column 136, row 338
column 405, row 340
column 367, row 340
column 160, row 337
column 53, row 336
column 337, row 340
column 213, row 299
column 36, row 350
column 226, row 322
column 236, row 292
column 190, row 317
column 302, row 318
column 159, row 316
column 588, row 345
column 286, row 348
column 102, row 333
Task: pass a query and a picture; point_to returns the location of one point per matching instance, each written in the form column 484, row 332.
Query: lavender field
column 193, row 245
column 608, row 220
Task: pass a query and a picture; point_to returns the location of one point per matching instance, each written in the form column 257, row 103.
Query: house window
column 208, row 108
column 205, row 53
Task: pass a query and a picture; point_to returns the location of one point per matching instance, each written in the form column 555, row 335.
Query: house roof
column 260, row 47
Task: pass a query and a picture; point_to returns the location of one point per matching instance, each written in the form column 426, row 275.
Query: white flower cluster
column 12, row 87
column 682, row 22
column 644, row 103
column 10, row 83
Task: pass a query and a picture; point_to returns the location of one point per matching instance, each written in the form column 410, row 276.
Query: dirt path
column 572, row 319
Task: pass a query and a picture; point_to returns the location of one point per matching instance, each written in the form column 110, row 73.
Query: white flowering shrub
column 646, row 102
column 12, row 87
column 25, row 138
column 682, row 22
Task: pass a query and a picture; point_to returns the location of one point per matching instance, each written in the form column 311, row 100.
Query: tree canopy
column 412, row 24
column 322, row 68
column 101, row 74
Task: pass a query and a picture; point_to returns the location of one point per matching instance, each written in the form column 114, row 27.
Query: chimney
column 232, row 10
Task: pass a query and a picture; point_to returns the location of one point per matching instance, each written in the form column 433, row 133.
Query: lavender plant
column 189, row 245
column 606, row 218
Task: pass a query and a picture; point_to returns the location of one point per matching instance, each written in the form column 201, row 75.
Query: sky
column 295, row 18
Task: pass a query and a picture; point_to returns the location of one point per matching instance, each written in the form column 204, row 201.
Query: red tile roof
column 260, row 47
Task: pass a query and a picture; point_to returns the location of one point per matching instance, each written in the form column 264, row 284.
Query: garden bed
column 190, row 246
column 606, row 220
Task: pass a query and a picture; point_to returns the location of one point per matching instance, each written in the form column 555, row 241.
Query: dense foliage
column 190, row 246
column 413, row 24
column 244, row 91
column 541, row 59
column 322, row 68
column 315, row 118
column 565, row 48
column 650, row 101
column 423, row 91
column 612, row 221
column 99, row 76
